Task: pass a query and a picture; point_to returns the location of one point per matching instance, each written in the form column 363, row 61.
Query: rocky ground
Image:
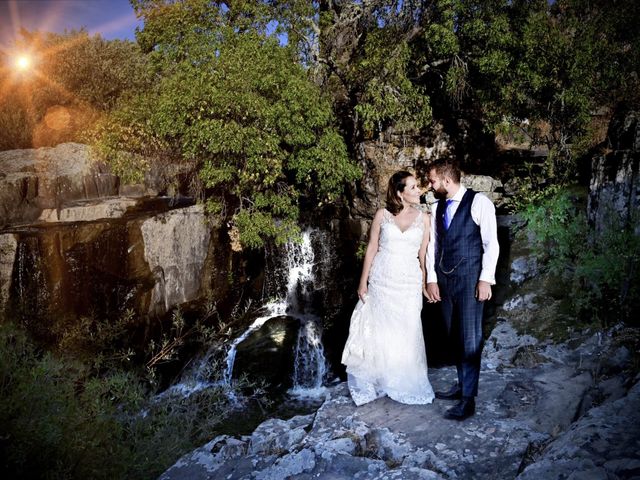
column 544, row 411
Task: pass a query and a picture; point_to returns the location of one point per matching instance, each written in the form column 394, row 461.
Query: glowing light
column 23, row 62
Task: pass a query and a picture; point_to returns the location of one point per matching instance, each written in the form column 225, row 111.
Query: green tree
column 361, row 53
column 74, row 79
column 366, row 51
column 550, row 66
column 236, row 106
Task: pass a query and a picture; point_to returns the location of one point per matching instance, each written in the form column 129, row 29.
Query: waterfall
column 21, row 258
column 310, row 363
column 310, row 367
column 32, row 294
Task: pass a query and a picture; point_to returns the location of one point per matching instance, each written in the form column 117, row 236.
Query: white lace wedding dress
column 385, row 351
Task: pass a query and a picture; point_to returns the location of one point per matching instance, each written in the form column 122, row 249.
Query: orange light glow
column 23, row 62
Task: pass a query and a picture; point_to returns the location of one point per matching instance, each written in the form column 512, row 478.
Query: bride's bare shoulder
column 380, row 213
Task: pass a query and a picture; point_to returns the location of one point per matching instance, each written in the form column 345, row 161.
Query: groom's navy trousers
column 458, row 262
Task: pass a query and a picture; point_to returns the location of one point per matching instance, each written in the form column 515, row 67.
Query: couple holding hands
column 450, row 257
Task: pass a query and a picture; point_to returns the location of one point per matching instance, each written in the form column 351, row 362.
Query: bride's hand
column 432, row 292
column 362, row 292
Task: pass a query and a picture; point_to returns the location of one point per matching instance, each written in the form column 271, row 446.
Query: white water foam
column 310, row 367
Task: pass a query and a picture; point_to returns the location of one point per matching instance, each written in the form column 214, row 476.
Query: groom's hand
column 483, row 291
column 432, row 292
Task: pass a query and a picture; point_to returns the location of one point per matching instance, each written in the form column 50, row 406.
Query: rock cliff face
column 60, row 212
column 175, row 246
column 46, row 178
column 72, row 245
column 380, row 159
column 150, row 264
column 614, row 197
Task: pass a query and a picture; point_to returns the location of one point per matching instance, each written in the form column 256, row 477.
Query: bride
column 385, row 352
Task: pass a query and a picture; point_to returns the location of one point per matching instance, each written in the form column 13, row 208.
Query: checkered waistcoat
column 458, row 249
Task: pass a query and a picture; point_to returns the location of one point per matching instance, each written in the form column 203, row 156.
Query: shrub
column 62, row 418
column 602, row 268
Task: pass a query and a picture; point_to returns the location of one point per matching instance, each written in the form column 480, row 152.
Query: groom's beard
column 440, row 194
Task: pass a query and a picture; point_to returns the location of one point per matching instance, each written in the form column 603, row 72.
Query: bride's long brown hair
column 396, row 184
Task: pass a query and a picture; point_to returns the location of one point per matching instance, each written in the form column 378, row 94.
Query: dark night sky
column 111, row 18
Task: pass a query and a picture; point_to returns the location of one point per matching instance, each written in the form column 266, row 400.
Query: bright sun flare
column 23, row 62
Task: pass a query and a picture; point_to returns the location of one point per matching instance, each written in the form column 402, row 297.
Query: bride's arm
column 372, row 249
column 422, row 253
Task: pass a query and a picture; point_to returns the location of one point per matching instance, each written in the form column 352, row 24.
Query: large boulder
column 267, row 353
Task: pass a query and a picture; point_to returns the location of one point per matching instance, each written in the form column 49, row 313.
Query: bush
column 601, row 268
column 62, row 419
column 555, row 219
column 608, row 275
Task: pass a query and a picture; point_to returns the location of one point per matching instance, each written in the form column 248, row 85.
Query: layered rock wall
column 46, row 178
column 71, row 244
column 614, row 198
column 150, row 264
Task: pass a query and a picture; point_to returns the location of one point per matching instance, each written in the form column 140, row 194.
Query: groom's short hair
column 445, row 167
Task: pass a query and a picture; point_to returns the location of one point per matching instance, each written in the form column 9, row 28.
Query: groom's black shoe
column 454, row 393
column 463, row 409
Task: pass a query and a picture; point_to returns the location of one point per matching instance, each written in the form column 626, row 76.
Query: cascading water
column 31, row 294
column 310, row 366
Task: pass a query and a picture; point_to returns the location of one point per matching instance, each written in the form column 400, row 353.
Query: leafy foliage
column 608, row 276
column 543, row 67
column 234, row 93
column 604, row 275
column 555, row 221
column 547, row 67
column 388, row 96
column 75, row 78
column 233, row 103
column 66, row 415
column 365, row 54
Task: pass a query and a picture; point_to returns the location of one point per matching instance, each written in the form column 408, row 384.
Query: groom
column 461, row 265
